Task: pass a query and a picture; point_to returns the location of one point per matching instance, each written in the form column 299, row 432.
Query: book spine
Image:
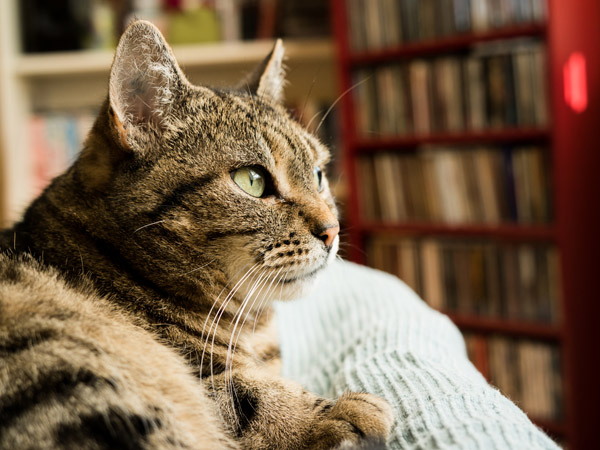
column 485, row 90
column 515, row 282
column 56, row 140
column 459, row 186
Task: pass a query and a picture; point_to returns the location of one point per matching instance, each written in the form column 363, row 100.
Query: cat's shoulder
column 77, row 371
column 25, row 282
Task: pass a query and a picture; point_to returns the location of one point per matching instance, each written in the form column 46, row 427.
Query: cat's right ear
column 144, row 80
column 268, row 78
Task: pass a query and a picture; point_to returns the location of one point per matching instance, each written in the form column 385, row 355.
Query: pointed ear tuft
column 268, row 79
column 143, row 80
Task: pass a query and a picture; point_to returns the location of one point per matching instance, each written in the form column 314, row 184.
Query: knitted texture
column 364, row 330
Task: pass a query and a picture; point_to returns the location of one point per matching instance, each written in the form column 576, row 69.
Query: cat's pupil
column 251, row 180
column 318, row 176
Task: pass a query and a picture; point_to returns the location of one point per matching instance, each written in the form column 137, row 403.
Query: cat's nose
column 328, row 233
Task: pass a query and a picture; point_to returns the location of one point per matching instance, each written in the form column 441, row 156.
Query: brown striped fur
column 134, row 291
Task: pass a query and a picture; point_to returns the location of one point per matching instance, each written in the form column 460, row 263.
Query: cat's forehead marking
column 271, row 138
column 307, row 141
column 228, row 130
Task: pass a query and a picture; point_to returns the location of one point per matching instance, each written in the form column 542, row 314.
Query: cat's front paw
column 354, row 419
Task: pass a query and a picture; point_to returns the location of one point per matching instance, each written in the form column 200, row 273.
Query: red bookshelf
column 571, row 139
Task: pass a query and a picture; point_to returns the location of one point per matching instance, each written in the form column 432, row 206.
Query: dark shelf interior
column 445, row 44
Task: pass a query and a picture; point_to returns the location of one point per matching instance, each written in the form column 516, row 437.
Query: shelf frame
column 516, row 328
column 221, row 54
column 505, row 136
column 447, row 44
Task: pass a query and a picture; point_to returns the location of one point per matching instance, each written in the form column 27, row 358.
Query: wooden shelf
column 445, row 45
column 215, row 55
column 520, row 328
column 505, row 232
column 511, row 135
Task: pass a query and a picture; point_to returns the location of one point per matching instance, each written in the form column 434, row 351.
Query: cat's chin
column 299, row 287
column 302, row 285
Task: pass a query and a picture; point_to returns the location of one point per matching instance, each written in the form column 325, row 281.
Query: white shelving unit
column 207, row 55
column 70, row 80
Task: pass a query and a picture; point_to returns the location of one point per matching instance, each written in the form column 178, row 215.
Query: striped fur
column 134, row 292
column 75, row 372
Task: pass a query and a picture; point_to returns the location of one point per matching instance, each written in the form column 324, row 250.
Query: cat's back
column 76, row 374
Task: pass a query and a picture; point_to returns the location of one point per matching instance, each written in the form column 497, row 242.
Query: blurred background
column 465, row 143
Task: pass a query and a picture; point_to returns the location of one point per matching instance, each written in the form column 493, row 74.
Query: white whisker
column 229, row 358
column 312, row 84
column 219, row 296
column 148, row 225
column 263, row 303
column 342, row 95
column 259, row 283
column 199, row 268
column 217, row 317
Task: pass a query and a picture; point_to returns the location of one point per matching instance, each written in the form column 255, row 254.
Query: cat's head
column 209, row 186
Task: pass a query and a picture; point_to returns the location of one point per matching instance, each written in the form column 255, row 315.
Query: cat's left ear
column 144, row 81
column 268, row 78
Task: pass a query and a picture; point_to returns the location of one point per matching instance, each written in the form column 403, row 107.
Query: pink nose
column 328, row 235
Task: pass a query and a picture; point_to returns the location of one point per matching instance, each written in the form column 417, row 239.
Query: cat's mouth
column 304, row 276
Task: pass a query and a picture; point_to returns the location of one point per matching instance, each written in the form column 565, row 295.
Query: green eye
column 318, row 178
column 251, row 180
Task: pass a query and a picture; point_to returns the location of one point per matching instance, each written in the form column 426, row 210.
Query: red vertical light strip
column 340, row 29
column 575, row 82
column 573, row 28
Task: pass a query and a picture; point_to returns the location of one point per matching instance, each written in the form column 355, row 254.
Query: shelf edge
column 445, row 44
column 217, row 55
column 514, row 232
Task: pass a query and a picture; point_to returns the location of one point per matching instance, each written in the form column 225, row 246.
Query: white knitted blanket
column 364, row 330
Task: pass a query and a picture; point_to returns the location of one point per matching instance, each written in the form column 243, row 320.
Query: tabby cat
column 134, row 291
